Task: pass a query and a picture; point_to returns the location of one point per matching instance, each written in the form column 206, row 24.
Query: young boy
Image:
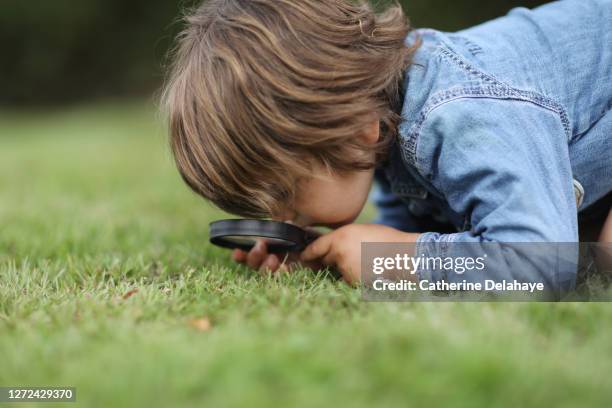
column 498, row 133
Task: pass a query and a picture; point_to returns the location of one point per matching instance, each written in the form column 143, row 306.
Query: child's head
column 263, row 94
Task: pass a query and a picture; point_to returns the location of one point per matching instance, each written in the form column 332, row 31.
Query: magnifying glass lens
column 243, row 233
column 252, row 240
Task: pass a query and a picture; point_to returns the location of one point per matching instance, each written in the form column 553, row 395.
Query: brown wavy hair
column 258, row 89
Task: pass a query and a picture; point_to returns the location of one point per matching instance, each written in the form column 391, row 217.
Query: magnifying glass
column 280, row 236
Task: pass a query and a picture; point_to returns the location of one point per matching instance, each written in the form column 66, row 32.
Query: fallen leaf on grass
column 202, row 324
column 129, row 293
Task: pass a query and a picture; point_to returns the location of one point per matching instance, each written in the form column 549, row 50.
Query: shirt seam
column 495, row 89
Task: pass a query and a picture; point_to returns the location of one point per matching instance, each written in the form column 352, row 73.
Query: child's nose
column 291, row 218
column 285, row 216
column 282, row 218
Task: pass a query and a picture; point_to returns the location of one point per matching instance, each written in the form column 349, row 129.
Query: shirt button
column 578, row 193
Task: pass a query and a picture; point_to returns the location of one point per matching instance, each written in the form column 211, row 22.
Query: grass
column 108, row 284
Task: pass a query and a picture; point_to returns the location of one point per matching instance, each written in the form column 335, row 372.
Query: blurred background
column 69, row 51
column 105, row 263
column 85, row 167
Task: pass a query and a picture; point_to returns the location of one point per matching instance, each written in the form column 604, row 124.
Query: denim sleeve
column 392, row 211
column 505, row 164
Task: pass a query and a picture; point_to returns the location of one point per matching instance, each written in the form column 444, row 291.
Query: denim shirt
column 506, row 133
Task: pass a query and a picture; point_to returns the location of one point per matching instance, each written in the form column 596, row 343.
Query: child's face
column 329, row 200
column 332, row 200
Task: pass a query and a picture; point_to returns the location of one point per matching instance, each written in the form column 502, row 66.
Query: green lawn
column 104, row 265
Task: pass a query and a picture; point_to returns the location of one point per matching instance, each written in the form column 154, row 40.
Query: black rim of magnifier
column 260, row 228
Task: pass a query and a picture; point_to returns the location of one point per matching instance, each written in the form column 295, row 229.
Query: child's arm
column 505, row 164
column 391, row 210
column 394, row 212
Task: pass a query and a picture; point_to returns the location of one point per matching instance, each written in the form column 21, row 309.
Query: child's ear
column 371, row 133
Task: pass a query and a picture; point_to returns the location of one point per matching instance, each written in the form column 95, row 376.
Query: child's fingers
column 239, row 255
column 270, row 263
column 257, row 254
column 317, row 248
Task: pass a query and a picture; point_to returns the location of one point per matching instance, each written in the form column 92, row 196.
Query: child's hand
column 342, row 247
column 258, row 258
